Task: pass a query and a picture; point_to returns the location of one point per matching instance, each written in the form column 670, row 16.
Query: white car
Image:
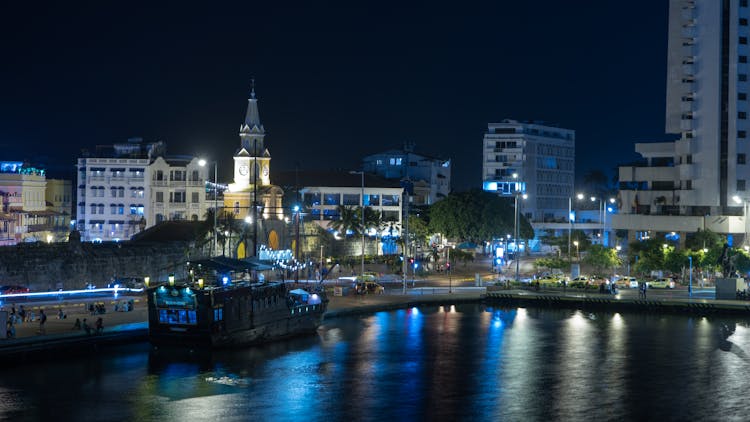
column 627, row 282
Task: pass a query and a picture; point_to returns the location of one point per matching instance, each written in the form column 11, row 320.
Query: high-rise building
column 700, row 180
column 531, row 157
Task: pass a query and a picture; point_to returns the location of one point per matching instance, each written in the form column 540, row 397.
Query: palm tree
column 349, row 221
column 373, row 220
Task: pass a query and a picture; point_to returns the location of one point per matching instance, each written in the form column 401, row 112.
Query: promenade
column 132, row 326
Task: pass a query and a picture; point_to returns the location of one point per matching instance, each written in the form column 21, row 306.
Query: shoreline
column 134, row 325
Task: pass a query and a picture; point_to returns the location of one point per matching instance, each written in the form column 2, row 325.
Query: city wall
column 72, row 265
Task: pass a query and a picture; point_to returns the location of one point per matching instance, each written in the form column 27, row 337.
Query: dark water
column 461, row 363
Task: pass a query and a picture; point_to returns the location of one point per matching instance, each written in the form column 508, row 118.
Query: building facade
column 128, row 187
column 428, row 179
column 534, row 158
column 699, row 181
column 26, row 216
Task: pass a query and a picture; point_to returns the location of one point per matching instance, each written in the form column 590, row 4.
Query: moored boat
column 231, row 313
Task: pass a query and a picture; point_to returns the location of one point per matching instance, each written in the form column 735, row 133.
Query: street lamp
column 578, row 255
column 202, row 162
column 517, row 219
column 362, row 210
column 738, row 200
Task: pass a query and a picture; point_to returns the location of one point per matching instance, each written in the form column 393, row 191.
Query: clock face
column 243, row 170
column 265, row 171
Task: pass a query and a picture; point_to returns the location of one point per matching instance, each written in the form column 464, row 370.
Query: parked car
column 549, row 281
column 661, row 283
column 627, row 282
column 368, row 287
column 580, row 282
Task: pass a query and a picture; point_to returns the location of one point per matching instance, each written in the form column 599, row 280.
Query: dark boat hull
column 221, row 318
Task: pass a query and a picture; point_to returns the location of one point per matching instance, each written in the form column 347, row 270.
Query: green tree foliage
column 476, row 216
column 704, row 239
column 602, row 259
column 461, row 255
column 349, row 222
column 552, row 263
column 650, row 253
column 742, row 262
column 675, row 260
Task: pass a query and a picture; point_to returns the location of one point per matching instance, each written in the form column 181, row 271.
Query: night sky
column 336, row 81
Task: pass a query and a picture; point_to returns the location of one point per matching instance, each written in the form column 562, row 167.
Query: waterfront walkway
column 128, row 327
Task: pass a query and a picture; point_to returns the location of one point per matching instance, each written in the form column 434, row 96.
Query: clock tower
column 252, row 180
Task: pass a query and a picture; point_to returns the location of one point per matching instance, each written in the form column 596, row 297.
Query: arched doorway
column 273, row 240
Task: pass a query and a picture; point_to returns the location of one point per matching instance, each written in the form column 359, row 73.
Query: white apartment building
column 542, row 158
column 126, row 188
column 701, row 180
column 429, row 177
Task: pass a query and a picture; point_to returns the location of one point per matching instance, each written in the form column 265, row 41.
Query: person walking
column 42, row 320
column 99, row 325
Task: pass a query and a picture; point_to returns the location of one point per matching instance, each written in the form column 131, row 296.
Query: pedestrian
column 86, row 327
column 22, row 313
column 60, row 314
column 77, row 324
column 11, row 333
column 42, row 320
column 99, row 325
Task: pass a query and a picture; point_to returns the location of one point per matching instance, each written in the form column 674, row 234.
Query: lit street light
column 202, row 162
column 578, row 255
column 362, row 210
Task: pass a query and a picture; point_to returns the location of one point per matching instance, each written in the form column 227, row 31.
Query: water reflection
column 459, row 362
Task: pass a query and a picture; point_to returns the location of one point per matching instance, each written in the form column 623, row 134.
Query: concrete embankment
column 615, row 303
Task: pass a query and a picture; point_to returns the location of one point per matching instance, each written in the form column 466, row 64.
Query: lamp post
column 690, row 285
column 362, row 229
column 202, row 162
column 517, row 220
column 578, row 255
column 450, row 278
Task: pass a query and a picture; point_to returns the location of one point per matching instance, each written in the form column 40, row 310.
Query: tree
column 349, row 221
column 476, row 216
column 602, row 259
column 552, row 262
column 704, row 239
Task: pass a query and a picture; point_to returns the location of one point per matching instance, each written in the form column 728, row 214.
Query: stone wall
column 41, row 266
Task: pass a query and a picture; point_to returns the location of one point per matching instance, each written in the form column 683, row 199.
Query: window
column 195, row 197
column 113, row 209
column 742, row 115
column 93, row 208
column 159, row 175
column 177, row 197
column 311, row 199
column 742, row 96
column 743, row 3
column 101, row 208
column 742, row 77
column 378, row 162
column 159, row 196
column 743, row 40
column 121, row 209
column 688, row 184
column 177, row 175
column 741, row 134
column 113, row 191
column 741, row 158
column 743, row 59
column 689, row 159
column 743, row 21
column 741, row 184
column 332, row 199
column 196, row 176
column 350, row 199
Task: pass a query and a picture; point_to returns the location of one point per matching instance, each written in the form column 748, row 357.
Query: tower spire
column 252, row 88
